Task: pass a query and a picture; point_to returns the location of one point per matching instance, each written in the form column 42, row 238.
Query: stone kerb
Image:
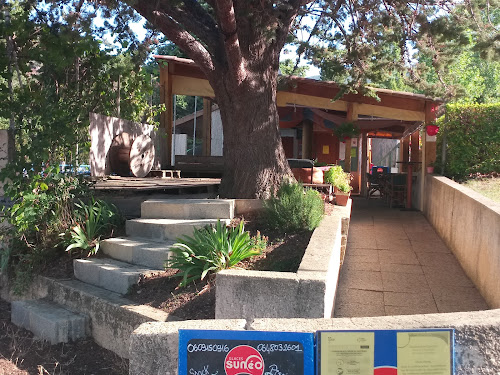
column 469, row 224
column 309, row 293
column 154, row 346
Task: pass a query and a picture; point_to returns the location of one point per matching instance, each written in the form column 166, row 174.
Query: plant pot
column 432, row 130
column 341, row 198
column 304, row 175
column 430, row 170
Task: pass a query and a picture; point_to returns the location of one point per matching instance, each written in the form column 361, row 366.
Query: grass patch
column 489, row 187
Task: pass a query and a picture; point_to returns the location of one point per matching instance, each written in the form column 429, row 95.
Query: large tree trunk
column 254, row 159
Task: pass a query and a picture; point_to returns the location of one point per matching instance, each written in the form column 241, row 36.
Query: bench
column 200, row 166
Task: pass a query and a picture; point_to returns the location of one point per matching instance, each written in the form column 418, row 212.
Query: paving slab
column 401, row 282
column 359, row 310
column 363, row 255
column 361, row 266
column 367, row 280
column 398, row 255
column 409, row 299
column 402, row 268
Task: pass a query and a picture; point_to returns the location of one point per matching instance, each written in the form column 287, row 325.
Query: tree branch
column 191, row 16
column 286, row 15
column 177, row 34
column 229, row 29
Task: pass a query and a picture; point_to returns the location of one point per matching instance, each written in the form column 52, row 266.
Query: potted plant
column 341, row 181
column 345, row 131
column 430, row 168
column 432, row 129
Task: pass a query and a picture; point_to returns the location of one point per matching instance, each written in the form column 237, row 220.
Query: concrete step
column 109, row 274
column 49, row 321
column 138, row 251
column 165, row 229
column 187, row 209
column 113, row 316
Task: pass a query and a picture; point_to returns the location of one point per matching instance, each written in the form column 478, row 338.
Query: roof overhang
column 386, row 113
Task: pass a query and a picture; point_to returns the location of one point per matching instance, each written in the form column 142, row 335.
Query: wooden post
column 415, row 153
column 166, row 117
column 428, row 149
column 352, row 116
column 307, row 135
column 430, row 146
column 206, row 131
column 364, row 163
column 404, row 153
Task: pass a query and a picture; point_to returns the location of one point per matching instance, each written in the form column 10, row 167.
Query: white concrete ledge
column 154, row 346
column 469, row 224
column 309, row 293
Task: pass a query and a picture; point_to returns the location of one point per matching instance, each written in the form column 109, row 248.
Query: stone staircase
column 127, row 259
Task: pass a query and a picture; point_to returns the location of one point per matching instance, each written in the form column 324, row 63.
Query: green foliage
column 294, row 209
column 93, row 221
column 338, row 178
column 346, row 130
column 260, row 242
column 41, row 209
column 57, row 72
column 287, row 68
column 472, row 138
column 211, row 250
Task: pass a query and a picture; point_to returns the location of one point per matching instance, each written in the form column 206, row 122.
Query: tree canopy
column 237, row 45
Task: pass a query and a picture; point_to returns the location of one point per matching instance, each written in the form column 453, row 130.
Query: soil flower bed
column 197, row 301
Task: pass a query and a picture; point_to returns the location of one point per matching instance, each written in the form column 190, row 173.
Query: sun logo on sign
column 244, row 359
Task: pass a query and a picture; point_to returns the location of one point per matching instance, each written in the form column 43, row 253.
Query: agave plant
column 211, row 250
column 92, row 222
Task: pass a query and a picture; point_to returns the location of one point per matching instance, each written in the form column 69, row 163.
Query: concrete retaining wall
column 154, row 346
column 469, row 223
column 309, row 293
column 113, row 318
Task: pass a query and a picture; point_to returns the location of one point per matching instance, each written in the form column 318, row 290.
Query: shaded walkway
column 396, row 264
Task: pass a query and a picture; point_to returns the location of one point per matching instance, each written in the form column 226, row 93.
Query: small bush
column 93, row 221
column 472, row 140
column 338, row 178
column 293, row 209
column 211, row 250
column 42, row 207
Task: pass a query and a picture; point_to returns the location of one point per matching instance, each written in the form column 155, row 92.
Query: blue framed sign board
column 363, row 352
column 245, row 352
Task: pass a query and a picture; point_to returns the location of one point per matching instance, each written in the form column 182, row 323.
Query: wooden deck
column 155, row 184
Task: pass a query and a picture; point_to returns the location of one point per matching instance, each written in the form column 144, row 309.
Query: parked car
column 83, row 169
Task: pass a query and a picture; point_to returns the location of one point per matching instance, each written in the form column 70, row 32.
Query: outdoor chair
column 376, row 180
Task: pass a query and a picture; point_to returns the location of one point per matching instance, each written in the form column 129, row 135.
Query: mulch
column 21, row 353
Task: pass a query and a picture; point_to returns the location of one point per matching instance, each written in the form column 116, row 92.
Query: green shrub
column 472, row 138
column 210, row 250
column 293, row 209
column 42, row 207
column 93, row 221
column 338, row 178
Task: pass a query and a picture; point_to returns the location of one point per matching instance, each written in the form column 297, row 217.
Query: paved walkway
column 396, row 264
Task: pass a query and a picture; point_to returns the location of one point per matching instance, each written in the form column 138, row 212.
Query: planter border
column 308, row 293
